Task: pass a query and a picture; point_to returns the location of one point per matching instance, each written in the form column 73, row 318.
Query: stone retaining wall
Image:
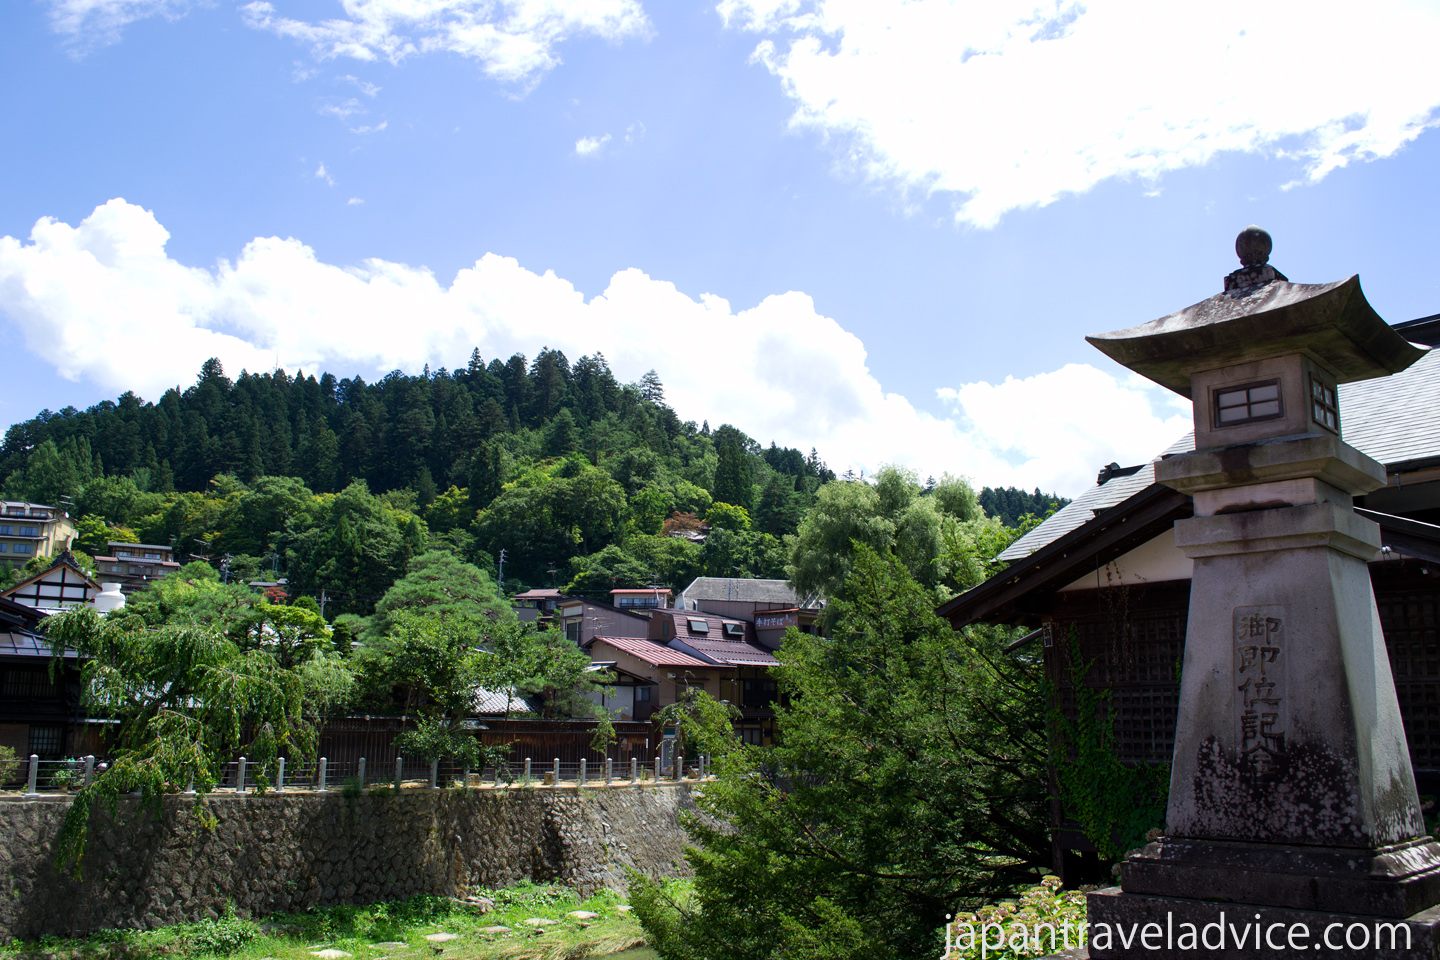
column 290, row 852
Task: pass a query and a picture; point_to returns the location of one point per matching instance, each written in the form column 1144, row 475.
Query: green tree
column 702, row 724
column 733, row 476
column 606, row 570
column 354, row 551
column 908, row 778
column 727, row 516
column 439, row 583
column 187, row 699
column 778, row 512
column 891, row 516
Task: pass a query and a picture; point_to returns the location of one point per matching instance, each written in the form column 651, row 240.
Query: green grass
column 394, row 931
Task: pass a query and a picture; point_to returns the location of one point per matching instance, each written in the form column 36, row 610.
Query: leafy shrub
column 974, row 935
column 527, row 894
column 222, row 936
column 9, row 765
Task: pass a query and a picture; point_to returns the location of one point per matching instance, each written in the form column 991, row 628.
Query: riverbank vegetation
column 525, row 922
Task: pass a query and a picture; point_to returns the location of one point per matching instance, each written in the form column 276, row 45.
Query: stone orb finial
column 1253, row 246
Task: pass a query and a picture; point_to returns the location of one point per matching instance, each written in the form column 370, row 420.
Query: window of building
column 752, row 735
column 1246, row 404
column 734, row 629
column 6, row 530
column 152, row 555
column 29, row 531
column 29, row 683
column 22, row 548
column 572, row 631
column 2, row 548
column 642, row 694
column 699, row 626
column 47, row 741
column 1323, row 408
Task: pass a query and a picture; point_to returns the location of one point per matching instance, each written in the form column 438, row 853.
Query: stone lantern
column 1292, row 799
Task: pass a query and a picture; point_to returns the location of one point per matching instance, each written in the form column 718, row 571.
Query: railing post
column 680, row 766
column 609, row 771
column 498, row 768
column 466, row 781
column 581, row 781
column 240, row 777
column 362, row 773
column 657, row 769
column 434, row 773
column 190, row 785
column 280, row 777
column 30, row 790
column 89, row 769
column 399, row 771
column 634, row 769
column 527, row 771
column 557, row 773
column 323, row 764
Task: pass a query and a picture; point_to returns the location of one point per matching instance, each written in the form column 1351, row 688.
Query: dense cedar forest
column 581, row 480
column 1009, row 504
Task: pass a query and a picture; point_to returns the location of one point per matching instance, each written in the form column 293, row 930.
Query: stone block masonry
column 290, row 852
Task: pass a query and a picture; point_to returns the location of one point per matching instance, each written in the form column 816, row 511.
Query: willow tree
column 187, row 699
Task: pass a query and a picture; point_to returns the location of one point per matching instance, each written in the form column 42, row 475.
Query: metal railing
column 36, row 777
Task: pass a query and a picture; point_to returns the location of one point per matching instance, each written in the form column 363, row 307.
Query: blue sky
column 878, row 228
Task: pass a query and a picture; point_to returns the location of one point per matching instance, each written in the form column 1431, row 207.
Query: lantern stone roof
column 1331, row 322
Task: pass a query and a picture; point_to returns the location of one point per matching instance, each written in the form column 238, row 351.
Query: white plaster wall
column 1155, row 560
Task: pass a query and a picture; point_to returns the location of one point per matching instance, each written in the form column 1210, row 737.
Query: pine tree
column 732, row 477
column 651, row 389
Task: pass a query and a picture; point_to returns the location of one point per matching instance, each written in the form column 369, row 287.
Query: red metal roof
column 652, row 653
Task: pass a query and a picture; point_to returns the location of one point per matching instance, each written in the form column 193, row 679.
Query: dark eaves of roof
column 1412, row 538
column 1113, row 532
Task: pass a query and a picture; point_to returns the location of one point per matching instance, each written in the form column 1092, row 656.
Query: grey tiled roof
column 493, row 702
column 1397, row 418
column 750, row 591
column 1092, row 501
column 1392, row 419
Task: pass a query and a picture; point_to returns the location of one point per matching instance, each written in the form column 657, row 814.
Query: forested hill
column 580, row 480
column 1010, row 504
column 587, row 459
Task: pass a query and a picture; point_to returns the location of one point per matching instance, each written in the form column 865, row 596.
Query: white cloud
column 91, row 23
column 514, row 40
column 636, row 131
column 588, row 146
column 374, row 128
column 354, row 201
column 364, row 86
column 1008, row 104
column 341, row 109
column 103, row 301
column 320, row 174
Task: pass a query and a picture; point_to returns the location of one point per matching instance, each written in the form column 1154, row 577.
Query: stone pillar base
column 1399, row 880
column 1183, row 928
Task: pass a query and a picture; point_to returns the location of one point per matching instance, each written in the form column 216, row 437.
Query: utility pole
column 502, row 571
column 323, row 600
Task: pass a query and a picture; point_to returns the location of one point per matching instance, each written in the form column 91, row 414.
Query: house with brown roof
column 688, row 649
column 584, row 620
column 771, row 606
column 133, row 565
